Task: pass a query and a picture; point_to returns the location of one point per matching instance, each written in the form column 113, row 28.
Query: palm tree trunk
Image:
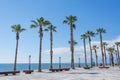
column 40, row 50
column 96, row 58
column 72, row 47
column 90, row 51
column 51, row 52
column 118, row 56
column 85, row 52
column 112, row 59
column 105, row 55
column 102, row 49
column 16, row 51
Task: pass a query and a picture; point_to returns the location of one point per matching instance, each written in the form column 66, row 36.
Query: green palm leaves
column 17, row 28
column 39, row 22
column 70, row 21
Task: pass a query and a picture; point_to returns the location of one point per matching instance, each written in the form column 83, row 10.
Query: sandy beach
column 113, row 73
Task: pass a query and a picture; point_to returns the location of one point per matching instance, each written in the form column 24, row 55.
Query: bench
column 53, row 70
column 56, row 70
column 86, row 67
column 28, row 71
column 66, row 69
column 105, row 67
column 9, row 72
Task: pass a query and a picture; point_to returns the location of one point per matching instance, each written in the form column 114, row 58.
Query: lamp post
column 59, row 62
column 29, row 62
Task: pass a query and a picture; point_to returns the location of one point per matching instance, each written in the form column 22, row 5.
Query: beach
column 113, row 73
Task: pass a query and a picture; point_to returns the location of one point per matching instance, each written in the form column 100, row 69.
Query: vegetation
column 90, row 34
column 104, row 50
column 83, row 36
column 39, row 23
column 17, row 29
column 70, row 21
column 118, row 45
column 94, row 47
column 100, row 31
column 111, row 51
column 51, row 29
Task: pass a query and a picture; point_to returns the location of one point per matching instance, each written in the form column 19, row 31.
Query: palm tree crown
column 39, row 22
column 51, row 28
column 70, row 19
column 90, row 34
column 101, row 30
column 17, row 28
column 83, row 36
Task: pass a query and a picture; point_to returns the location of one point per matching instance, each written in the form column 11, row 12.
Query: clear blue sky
column 91, row 14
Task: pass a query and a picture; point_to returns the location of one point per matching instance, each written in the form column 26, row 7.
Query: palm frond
column 65, row 21
column 46, row 30
column 74, row 26
column 35, row 23
column 33, row 26
column 45, row 23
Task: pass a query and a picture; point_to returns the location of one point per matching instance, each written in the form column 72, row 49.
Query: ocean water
column 34, row 66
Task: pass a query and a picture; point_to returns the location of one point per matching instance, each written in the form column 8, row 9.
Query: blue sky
column 91, row 14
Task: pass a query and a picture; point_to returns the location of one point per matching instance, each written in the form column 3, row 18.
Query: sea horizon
column 34, row 66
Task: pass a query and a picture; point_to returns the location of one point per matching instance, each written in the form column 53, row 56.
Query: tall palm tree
column 94, row 47
column 17, row 29
column 39, row 23
column 118, row 45
column 100, row 31
column 83, row 36
column 70, row 20
column 111, row 51
column 104, row 47
column 52, row 29
column 90, row 34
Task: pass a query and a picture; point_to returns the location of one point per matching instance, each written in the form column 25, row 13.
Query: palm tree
column 94, row 47
column 17, row 29
column 70, row 21
column 39, row 23
column 117, row 45
column 90, row 34
column 100, row 31
column 52, row 29
column 111, row 51
column 83, row 36
column 104, row 47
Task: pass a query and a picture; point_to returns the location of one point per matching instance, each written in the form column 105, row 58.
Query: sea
column 34, row 66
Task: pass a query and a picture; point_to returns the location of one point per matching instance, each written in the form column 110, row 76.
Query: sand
column 113, row 73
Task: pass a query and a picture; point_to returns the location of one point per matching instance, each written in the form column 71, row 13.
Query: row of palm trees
column 103, row 45
column 70, row 20
column 88, row 36
column 38, row 23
